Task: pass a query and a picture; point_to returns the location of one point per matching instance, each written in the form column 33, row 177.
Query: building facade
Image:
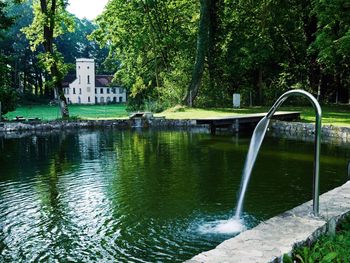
column 87, row 88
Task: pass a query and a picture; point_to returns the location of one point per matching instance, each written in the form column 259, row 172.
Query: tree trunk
column 260, row 86
column 202, row 48
column 49, row 48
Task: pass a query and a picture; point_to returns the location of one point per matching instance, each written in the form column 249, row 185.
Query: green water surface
column 132, row 196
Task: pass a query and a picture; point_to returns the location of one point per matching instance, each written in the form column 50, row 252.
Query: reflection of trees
column 170, row 173
column 38, row 163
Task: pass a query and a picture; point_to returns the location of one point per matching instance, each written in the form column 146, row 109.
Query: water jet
column 258, row 137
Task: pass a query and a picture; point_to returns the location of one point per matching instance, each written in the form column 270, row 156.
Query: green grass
column 88, row 112
column 327, row 249
column 338, row 115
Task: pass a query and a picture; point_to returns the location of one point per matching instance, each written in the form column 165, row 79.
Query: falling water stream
column 255, row 144
column 236, row 224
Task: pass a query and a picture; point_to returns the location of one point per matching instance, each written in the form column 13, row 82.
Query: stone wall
column 300, row 130
column 119, row 123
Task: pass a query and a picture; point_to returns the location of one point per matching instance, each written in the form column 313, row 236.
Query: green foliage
column 154, row 42
column 328, row 248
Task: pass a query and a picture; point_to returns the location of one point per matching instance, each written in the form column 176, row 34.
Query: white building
column 87, row 88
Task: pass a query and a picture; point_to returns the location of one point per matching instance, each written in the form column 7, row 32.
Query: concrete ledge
column 270, row 240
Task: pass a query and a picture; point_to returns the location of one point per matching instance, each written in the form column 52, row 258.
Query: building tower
column 85, row 69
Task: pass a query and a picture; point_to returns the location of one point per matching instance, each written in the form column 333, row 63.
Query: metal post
column 318, row 125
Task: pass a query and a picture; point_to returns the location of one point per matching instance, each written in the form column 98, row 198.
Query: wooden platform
column 244, row 121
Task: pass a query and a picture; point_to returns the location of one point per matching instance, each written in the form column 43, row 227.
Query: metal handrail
column 318, row 123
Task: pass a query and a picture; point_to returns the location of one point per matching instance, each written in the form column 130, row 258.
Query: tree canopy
column 194, row 52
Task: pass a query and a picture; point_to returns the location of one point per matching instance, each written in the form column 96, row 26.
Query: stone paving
column 270, row 240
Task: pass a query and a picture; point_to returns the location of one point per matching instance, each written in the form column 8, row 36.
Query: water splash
column 255, row 144
column 223, row 227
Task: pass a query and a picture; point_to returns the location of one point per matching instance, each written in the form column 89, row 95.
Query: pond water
column 107, row 196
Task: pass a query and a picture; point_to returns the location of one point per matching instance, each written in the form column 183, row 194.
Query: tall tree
column 51, row 19
column 201, row 52
column 152, row 43
column 7, row 93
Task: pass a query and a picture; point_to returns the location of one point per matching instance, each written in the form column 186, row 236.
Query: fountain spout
column 257, row 138
column 318, row 124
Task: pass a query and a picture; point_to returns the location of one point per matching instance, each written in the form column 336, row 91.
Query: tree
column 151, row 44
column 51, row 20
column 8, row 96
column 201, row 52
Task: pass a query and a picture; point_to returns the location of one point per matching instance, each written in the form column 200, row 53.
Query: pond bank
column 278, row 128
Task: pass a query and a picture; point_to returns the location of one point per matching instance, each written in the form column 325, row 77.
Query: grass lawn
column 46, row 112
column 338, row 115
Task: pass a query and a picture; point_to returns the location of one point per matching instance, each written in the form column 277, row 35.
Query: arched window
column 73, row 90
column 96, row 101
column 79, row 90
column 102, row 100
column 88, row 79
column 88, row 99
column 108, row 99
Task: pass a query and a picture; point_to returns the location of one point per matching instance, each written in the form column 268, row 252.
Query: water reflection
column 111, row 195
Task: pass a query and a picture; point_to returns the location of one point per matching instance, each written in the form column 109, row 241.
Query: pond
column 111, row 195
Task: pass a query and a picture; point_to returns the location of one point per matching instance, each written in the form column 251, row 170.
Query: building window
column 78, row 67
column 96, row 101
column 79, row 79
column 68, row 100
column 108, row 91
column 113, row 90
column 79, row 90
column 120, row 99
column 102, row 100
column 88, row 67
column 101, row 91
column 88, row 89
column 73, row 90
column 67, row 91
column 96, row 91
column 108, row 99
column 79, row 100
column 121, row 90
column 88, row 99
column 88, row 79
column 115, row 99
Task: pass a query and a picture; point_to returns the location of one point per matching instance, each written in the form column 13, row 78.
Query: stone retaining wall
column 63, row 125
column 299, row 129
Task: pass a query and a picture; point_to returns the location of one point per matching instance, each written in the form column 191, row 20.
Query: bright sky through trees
column 89, row 9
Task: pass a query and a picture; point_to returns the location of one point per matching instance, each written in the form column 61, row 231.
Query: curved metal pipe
column 318, row 123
